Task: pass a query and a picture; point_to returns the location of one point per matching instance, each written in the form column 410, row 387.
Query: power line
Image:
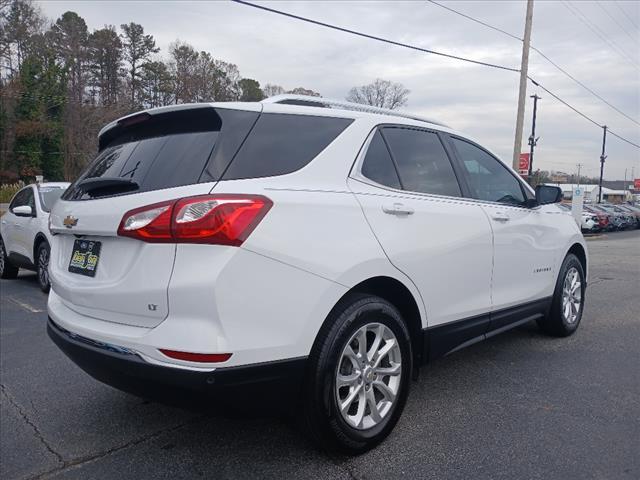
column 615, row 20
column 625, row 14
column 413, row 47
column 373, row 37
column 580, row 16
column 540, row 53
column 476, row 20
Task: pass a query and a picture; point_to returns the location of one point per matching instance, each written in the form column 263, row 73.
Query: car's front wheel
column 7, row 270
column 42, row 266
column 358, row 375
column 568, row 300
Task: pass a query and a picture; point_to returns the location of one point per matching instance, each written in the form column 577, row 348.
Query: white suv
column 305, row 247
column 24, row 232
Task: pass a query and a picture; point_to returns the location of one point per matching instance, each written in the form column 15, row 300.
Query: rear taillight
column 214, row 219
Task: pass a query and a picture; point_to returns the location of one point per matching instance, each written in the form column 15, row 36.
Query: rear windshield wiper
column 103, row 186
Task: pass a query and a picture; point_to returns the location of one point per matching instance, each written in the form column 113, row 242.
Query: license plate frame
column 85, row 257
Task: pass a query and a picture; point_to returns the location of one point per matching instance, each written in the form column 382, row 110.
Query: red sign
column 636, row 183
column 523, row 165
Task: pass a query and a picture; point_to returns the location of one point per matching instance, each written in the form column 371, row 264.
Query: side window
column 22, row 198
column 423, row 164
column 282, row 143
column 488, row 178
column 378, row 166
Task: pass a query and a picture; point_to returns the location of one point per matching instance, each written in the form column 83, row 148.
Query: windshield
column 49, row 195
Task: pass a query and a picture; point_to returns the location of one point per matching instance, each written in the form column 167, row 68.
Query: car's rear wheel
column 7, row 270
column 42, row 266
column 358, row 375
column 568, row 300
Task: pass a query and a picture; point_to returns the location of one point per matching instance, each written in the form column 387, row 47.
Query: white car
column 316, row 250
column 24, row 232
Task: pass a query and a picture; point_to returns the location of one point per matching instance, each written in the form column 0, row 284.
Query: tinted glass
column 48, row 196
column 488, row 178
column 22, row 198
column 422, row 162
column 168, row 150
column 281, row 144
column 378, row 166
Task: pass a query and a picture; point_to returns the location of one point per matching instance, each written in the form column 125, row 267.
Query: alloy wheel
column 43, row 265
column 571, row 295
column 368, row 376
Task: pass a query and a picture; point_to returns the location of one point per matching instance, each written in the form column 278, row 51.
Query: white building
column 591, row 193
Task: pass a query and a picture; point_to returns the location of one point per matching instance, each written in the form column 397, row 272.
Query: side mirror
column 23, row 211
column 546, row 194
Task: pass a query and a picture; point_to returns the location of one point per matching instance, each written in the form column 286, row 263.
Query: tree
column 304, row 91
column 157, row 84
column 184, row 59
column 105, row 63
column 380, row 93
column 19, row 22
column 250, row 90
column 138, row 48
column 270, row 90
column 70, row 36
column 226, row 85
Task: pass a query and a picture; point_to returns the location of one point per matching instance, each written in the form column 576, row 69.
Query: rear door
column 410, row 195
column 149, row 160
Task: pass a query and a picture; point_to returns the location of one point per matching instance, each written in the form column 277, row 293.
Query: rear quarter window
column 283, row 143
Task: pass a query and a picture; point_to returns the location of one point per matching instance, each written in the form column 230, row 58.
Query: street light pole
column 533, row 141
column 524, row 67
column 603, row 157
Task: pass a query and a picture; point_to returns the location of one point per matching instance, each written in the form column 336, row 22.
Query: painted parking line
column 26, row 306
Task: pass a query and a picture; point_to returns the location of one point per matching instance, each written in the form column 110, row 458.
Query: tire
column 567, row 305
column 7, row 270
column 42, row 266
column 334, row 354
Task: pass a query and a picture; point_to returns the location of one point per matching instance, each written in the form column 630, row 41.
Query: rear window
column 281, row 144
column 205, row 145
column 48, row 196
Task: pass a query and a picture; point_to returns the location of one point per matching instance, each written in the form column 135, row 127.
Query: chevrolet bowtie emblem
column 70, row 221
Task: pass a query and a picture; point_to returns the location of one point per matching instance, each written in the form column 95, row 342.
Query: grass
column 8, row 190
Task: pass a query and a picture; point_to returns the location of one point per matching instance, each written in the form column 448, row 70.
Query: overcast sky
column 476, row 100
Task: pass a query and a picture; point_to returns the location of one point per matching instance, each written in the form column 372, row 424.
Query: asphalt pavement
column 520, row 405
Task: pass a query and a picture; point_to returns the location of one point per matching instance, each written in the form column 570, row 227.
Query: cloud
column 477, row 100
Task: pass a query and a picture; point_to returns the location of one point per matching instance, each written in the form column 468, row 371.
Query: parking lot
column 520, row 405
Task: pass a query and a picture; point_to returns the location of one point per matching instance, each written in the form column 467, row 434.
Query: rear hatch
column 144, row 159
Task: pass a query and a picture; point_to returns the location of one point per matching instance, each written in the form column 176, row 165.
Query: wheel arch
column 399, row 295
column 40, row 237
column 579, row 251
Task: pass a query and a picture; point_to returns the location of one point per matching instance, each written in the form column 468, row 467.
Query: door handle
column 500, row 217
column 397, row 209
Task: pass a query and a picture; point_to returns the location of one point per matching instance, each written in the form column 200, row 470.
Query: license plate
column 84, row 259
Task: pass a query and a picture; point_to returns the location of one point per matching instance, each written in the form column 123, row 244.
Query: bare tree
column 304, row 91
column 271, row 90
column 380, row 93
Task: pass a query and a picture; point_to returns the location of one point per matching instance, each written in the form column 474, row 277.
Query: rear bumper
column 125, row 370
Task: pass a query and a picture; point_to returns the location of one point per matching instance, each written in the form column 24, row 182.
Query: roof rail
column 309, row 101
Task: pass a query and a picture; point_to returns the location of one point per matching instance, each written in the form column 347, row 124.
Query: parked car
column 589, row 223
column 623, row 219
column 319, row 251
column 24, row 235
column 605, row 222
column 617, row 220
column 633, row 213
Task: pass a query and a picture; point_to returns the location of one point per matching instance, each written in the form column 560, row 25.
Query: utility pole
column 524, row 68
column 579, row 165
column 533, row 141
column 603, row 157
